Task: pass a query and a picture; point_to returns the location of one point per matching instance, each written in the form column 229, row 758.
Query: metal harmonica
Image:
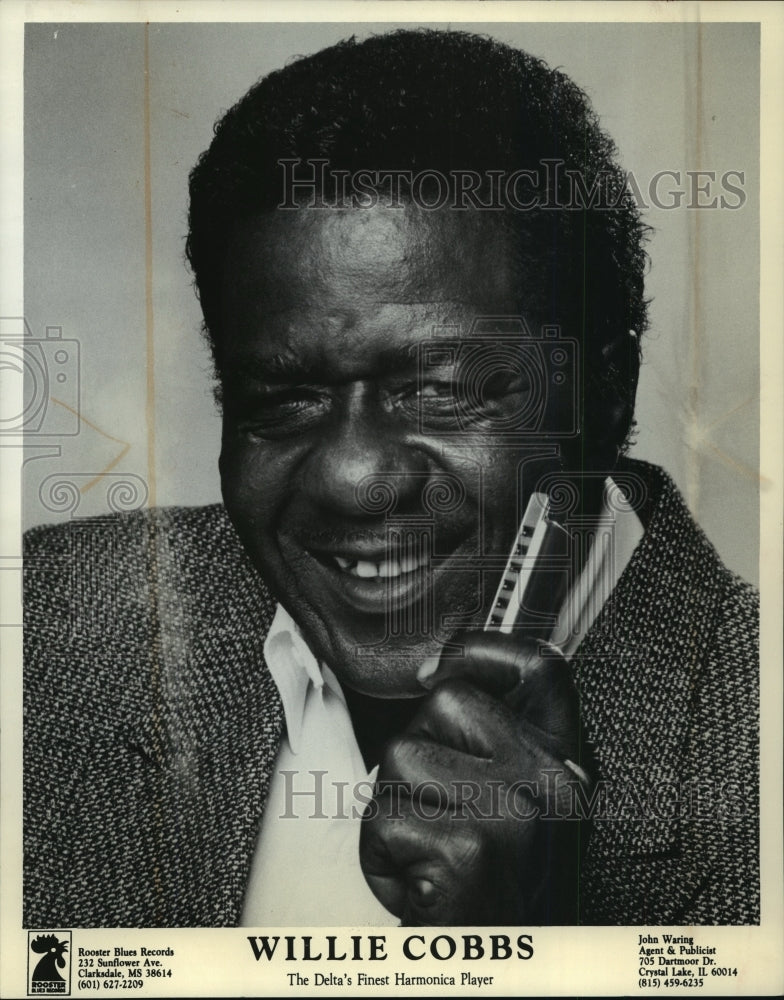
column 534, row 582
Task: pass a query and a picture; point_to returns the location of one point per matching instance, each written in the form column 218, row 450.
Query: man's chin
column 376, row 633
column 384, row 671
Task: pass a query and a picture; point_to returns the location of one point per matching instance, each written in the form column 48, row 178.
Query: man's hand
column 468, row 824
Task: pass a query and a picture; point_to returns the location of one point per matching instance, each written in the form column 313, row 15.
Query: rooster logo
column 53, row 952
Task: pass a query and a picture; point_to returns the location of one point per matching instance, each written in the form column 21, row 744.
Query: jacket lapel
column 215, row 717
column 637, row 669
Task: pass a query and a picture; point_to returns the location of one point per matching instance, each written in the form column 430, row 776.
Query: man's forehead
column 378, row 339
column 403, row 255
column 348, row 292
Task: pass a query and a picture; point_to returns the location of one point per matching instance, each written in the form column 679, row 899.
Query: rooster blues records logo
column 49, row 963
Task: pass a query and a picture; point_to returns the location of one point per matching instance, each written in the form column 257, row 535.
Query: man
column 421, row 281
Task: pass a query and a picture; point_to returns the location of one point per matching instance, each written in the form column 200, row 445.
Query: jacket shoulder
column 83, row 553
column 117, row 595
column 132, row 529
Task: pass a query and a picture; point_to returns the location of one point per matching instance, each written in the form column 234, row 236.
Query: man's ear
column 609, row 404
column 622, row 360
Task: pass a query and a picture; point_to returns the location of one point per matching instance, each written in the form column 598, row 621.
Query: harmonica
column 534, row 583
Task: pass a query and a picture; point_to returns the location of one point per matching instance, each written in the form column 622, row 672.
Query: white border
column 584, row 960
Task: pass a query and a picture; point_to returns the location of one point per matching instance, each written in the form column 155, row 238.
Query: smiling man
column 421, row 278
column 323, row 391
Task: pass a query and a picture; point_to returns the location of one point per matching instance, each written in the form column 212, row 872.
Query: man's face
column 366, row 497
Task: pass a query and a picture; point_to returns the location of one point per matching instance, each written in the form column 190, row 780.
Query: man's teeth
column 386, row 568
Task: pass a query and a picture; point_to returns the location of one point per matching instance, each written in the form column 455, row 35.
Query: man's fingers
column 460, row 715
column 427, row 769
column 424, row 871
column 535, row 685
column 491, row 660
column 435, row 762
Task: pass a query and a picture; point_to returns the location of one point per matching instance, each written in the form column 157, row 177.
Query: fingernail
column 576, row 769
column 424, row 890
column 428, row 668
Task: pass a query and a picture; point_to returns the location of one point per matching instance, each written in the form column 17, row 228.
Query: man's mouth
column 388, row 568
column 374, row 578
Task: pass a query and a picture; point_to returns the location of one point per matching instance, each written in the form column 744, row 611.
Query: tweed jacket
column 152, row 724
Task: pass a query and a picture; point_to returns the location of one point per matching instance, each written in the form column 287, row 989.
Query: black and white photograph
column 396, row 433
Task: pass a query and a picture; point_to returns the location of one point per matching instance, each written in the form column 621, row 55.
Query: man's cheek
column 247, row 481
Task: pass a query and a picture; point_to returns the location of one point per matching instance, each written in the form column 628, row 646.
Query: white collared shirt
column 305, row 870
column 617, row 533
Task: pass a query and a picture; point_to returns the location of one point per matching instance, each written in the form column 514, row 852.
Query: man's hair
column 444, row 102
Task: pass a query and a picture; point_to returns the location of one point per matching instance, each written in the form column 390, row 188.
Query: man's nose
column 363, row 465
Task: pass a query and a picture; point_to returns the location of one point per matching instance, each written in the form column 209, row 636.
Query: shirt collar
column 295, row 671
column 618, row 532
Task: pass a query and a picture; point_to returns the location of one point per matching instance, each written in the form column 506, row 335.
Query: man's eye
column 277, row 414
column 466, row 401
column 433, row 401
column 435, row 394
